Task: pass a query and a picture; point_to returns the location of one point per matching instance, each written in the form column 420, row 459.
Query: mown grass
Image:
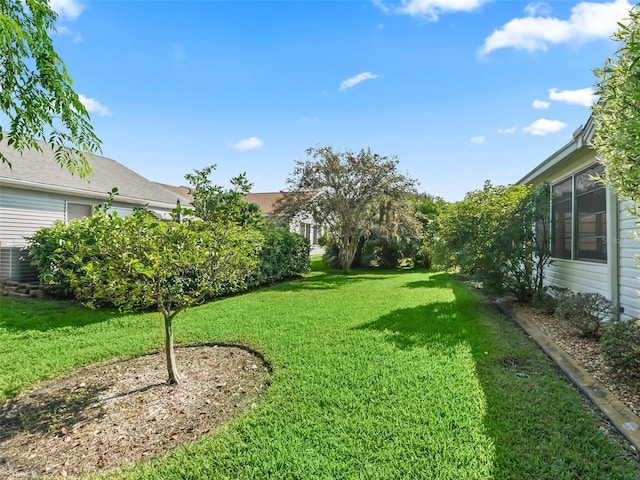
column 375, row 375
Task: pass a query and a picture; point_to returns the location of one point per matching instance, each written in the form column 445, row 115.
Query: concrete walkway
column 623, row 419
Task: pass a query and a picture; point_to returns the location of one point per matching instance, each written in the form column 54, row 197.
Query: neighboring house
column 593, row 245
column 302, row 225
column 182, row 191
column 37, row 191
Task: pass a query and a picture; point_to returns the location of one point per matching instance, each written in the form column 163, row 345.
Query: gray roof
column 39, row 171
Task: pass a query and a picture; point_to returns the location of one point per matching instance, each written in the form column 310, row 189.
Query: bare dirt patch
column 586, row 352
column 105, row 415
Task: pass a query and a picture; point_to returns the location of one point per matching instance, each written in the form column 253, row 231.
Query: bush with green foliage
column 586, row 312
column 547, row 298
column 621, row 347
column 55, row 252
column 500, row 236
column 283, row 255
column 217, row 204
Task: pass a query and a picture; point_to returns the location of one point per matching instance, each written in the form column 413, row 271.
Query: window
column 78, row 210
column 579, row 216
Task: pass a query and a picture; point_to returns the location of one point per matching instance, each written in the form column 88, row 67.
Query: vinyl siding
column 579, row 276
column 629, row 272
column 22, row 213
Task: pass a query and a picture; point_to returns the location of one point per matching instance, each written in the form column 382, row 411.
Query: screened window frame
column 575, row 223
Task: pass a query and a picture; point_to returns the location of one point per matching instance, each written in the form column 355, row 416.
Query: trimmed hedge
column 61, row 256
column 283, row 255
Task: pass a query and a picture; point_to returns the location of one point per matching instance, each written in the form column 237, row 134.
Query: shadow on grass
column 20, row 314
column 437, row 280
column 335, row 279
column 415, row 327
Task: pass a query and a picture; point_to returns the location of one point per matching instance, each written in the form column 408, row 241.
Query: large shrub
column 56, row 254
column 283, row 255
column 621, row 347
column 500, row 236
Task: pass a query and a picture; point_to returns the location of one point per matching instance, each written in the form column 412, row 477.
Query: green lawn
column 375, row 375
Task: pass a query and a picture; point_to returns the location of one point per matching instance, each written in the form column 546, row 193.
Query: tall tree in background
column 353, row 194
column 35, row 88
column 617, row 114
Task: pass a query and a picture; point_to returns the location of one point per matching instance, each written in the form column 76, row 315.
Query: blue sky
column 461, row 91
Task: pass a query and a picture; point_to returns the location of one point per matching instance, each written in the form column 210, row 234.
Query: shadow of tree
column 19, row 314
column 44, row 411
column 415, row 327
column 330, row 281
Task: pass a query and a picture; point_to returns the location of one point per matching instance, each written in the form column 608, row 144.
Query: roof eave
column 26, row 185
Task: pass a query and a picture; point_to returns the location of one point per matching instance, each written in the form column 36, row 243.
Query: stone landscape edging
column 620, row 416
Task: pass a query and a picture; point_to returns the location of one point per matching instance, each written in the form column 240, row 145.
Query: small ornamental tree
column 139, row 262
column 35, row 88
column 354, row 195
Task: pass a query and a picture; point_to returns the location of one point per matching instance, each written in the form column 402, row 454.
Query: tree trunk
column 348, row 252
column 172, row 368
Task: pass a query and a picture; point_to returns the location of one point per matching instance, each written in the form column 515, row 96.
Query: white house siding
column 579, row 276
column 629, row 272
column 22, row 213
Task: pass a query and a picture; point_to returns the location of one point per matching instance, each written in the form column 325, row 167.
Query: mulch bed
column 105, row 415
column 587, row 352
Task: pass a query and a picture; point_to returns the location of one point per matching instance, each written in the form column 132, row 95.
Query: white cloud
column 432, row 9
column 588, row 21
column 538, row 8
column 507, row 131
column 541, row 104
column 584, row 96
column 543, row 126
column 63, row 31
column 93, row 105
column 66, row 9
column 479, row 140
column 353, row 81
column 247, row 144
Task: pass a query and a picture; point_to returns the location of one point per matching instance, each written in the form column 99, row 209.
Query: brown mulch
column 105, row 415
column 586, row 351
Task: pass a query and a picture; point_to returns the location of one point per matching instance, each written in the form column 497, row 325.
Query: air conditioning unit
column 15, row 264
